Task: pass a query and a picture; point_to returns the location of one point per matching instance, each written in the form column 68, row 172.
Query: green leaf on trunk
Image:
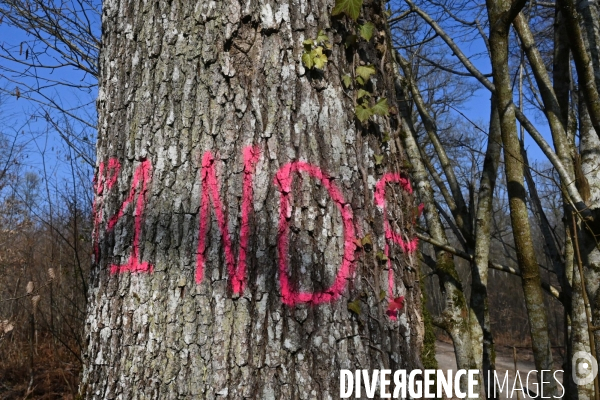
column 322, row 37
column 318, row 57
column 378, row 159
column 349, row 7
column 354, row 306
column 365, row 72
column 382, row 295
column 381, row 108
column 361, row 93
column 347, row 79
column 307, row 60
column 362, row 113
column 366, row 31
column 314, row 58
column 380, row 256
column 386, row 137
column 366, row 240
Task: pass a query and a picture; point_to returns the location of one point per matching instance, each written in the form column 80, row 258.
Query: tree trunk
column 250, row 231
column 590, row 165
column 588, row 244
column 500, row 14
column 479, row 316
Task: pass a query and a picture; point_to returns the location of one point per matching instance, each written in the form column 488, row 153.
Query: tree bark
column 240, row 207
column 479, row 316
column 590, row 250
column 589, row 147
column 501, row 14
column 583, row 62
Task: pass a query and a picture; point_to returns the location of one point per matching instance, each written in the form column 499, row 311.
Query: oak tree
column 253, row 211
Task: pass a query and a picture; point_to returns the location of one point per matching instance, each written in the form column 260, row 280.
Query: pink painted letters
column 139, row 186
column 108, row 174
column 283, row 180
column 407, row 246
column 210, row 193
column 102, row 182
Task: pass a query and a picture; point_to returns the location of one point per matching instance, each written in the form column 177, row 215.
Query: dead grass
column 55, row 371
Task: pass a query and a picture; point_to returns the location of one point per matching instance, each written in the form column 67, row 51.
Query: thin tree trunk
column 583, row 62
column 500, row 12
column 590, row 23
column 561, row 70
column 237, row 201
column 479, row 318
column 590, row 166
column 590, row 229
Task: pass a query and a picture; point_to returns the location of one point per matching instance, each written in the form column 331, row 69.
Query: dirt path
column 504, row 362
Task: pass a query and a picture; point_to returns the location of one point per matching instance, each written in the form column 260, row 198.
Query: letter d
column 346, row 376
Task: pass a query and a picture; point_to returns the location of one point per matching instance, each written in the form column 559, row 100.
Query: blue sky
column 46, row 149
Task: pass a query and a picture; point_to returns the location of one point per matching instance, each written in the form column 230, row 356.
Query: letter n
column 137, row 196
column 210, row 195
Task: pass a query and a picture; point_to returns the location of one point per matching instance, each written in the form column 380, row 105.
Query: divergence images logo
column 584, row 367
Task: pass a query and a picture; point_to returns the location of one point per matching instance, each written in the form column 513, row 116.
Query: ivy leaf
column 378, row 161
column 360, row 80
column 318, row 57
column 386, row 137
column 381, row 108
column 347, row 79
column 366, row 31
column 365, row 72
column 349, row 7
column 322, row 37
column 362, row 113
column 361, row 93
column 307, row 60
column 366, row 243
column 380, row 256
column 382, row 294
column 308, row 44
column 366, row 240
column 354, row 306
